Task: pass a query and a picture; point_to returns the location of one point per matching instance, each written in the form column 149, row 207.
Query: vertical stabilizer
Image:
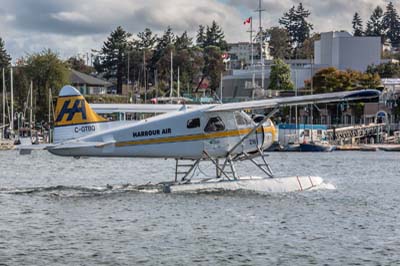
column 73, row 116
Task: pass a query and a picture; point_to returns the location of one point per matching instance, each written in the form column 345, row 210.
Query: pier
column 354, row 134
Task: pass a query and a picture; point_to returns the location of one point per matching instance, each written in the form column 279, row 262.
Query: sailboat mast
column 179, row 84
column 31, row 106
column 12, row 101
column 172, row 78
column 312, row 105
column 4, row 102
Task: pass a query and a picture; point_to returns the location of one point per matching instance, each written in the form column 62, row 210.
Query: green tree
column 279, row 43
column 79, row 64
column 306, row 51
column 375, row 24
column 295, row 22
column 113, row 57
column 331, row 80
column 213, row 66
column 386, row 70
column 201, row 36
column 280, row 76
column 47, row 71
column 183, row 41
column 5, row 58
column 391, row 23
column 146, row 40
column 357, row 25
column 215, row 37
column 5, row 61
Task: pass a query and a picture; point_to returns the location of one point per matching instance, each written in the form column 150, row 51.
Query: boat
column 316, row 147
column 390, row 148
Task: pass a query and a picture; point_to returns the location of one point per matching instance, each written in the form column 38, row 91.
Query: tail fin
column 73, row 116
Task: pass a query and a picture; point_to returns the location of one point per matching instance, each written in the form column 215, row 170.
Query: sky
column 72, row 27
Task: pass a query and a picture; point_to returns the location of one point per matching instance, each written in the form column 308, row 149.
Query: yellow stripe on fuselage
column 223, row 134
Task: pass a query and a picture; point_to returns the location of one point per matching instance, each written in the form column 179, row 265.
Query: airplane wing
column 137, row 108
column 299, row 100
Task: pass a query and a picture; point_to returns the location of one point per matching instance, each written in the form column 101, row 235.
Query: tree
column 213, row 66
column 391, row 24
column 5, row 58
column 388, row 70
column 295, row 22
column 215, row 37
column 201, row 36
column 357, row 25
column 183, row 41
column 279, row 43
column 47, row 71
column 331, row 80
column 79, row 64
column 113, row 54
column 213, row 45
column 306, row 51
column 146, row 39
column 375, row 24
column 280, row 76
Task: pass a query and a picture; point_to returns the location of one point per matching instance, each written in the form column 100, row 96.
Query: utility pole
column 260, row 10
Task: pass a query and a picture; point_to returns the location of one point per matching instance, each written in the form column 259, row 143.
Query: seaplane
column 223, row 135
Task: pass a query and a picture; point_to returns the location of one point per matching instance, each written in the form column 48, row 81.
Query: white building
column 240, row 54
column 335, row 49
column 344, row 51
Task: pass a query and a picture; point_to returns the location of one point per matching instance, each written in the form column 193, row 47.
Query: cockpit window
column 242, row 119
column 193, row 123
column 214, row 124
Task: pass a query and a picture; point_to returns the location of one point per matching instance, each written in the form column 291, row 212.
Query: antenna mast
column 260, row 10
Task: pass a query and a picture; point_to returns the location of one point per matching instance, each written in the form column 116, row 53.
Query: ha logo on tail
column 74, row 118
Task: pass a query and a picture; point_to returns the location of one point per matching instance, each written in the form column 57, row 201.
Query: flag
column 247, row 21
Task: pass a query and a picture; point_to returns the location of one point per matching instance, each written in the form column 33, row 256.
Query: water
column 60, row 211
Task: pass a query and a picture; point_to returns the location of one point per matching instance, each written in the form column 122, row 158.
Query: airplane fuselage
column 185, row 134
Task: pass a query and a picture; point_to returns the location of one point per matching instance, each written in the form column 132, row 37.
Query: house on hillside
column 87, row 84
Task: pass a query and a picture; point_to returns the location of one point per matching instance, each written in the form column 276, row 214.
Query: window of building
column 214, row 124
column 193, row 123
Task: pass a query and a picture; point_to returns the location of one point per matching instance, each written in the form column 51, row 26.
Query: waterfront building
column 88, row 84
column 345, row 51
column 334, row 49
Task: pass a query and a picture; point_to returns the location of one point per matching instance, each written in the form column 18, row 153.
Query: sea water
column 63, row 211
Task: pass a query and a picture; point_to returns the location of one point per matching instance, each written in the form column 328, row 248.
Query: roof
column 80, row 78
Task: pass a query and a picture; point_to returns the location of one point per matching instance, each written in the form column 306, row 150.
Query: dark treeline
column 146, row 58
column 384, row 24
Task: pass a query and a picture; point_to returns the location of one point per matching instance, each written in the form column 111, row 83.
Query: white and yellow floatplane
column 222, row 134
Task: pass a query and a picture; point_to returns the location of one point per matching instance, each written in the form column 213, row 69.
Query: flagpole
column 251, row 41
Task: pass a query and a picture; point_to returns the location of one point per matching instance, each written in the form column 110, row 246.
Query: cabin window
column 193, row 123
column 214, row 124
column 242, row 119
column 306, row 133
